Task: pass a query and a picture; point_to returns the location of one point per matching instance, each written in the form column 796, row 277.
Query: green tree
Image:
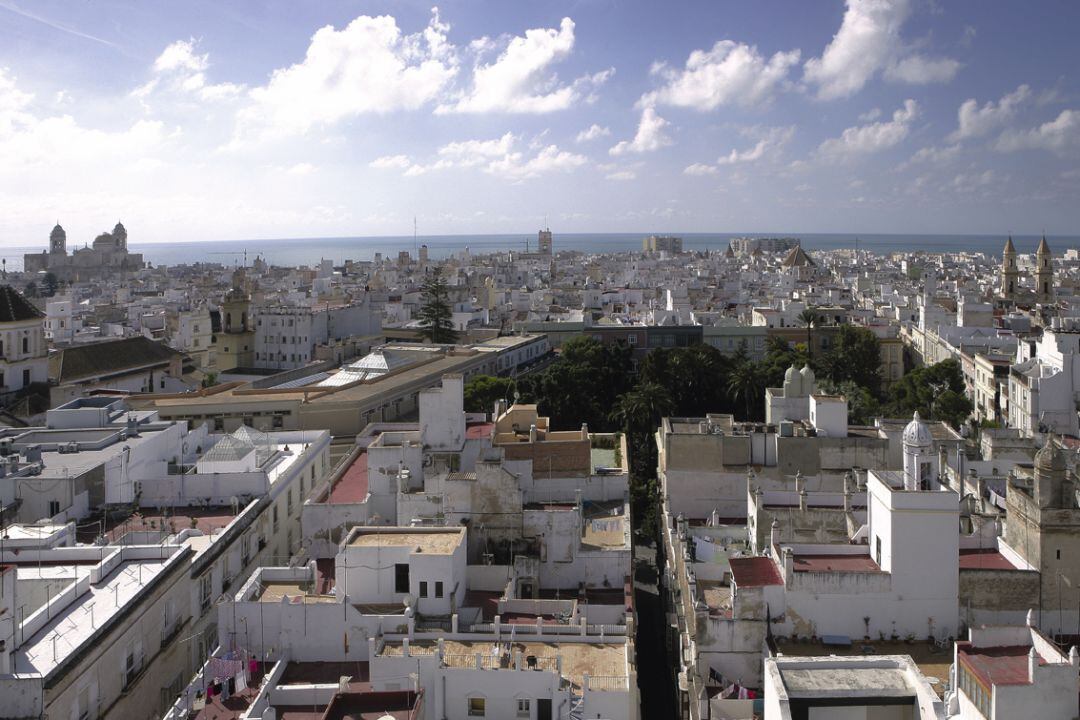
column 51, row 283
column 744, row 383
column 31, row 289
column 482, row 391
column 810, row 318
column 936, row 391
column 640, row 410
column 435, row 313
column 855, row 356
column 863, row 406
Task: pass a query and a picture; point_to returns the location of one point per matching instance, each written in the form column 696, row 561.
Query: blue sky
column 210, row 120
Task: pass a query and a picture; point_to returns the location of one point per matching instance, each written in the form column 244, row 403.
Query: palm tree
column 810, row 318
column 641, row 409
column 743, row 383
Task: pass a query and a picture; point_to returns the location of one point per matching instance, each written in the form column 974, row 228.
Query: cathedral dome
column 917, row 433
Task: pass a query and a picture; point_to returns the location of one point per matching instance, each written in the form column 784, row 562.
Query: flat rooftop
column 1002, row 665
column 933, row 663
column 74, row 624
column 352, row 486
column 815, row 682
column 835, row 563
column 439, row 543
column 755, row 572
column 975, row 559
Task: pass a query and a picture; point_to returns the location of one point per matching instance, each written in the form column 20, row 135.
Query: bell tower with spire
column 1010, row 275
column 1044, row 273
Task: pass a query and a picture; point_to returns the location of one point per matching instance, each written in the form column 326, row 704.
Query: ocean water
column 308, row 251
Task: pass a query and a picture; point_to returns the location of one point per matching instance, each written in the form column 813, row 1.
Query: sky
column 204, row 120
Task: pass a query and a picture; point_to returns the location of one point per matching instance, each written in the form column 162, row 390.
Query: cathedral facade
column 107, row 256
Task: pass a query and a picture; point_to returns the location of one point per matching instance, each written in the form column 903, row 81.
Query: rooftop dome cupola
column 793, row 382
column 918, row 455
column 808, row 380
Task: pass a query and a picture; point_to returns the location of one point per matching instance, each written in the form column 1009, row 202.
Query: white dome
column 917, row 433
column 790, row 374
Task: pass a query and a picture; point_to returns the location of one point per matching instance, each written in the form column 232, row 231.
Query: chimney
column 802, row 501
column 1074, row 657
column 789, row 563
column 532, row 433
column 847, row 498
column 774, row 534
column 798, row 481
column 1033, row 663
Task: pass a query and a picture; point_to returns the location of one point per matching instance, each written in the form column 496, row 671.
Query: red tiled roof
column 479, row 430
column 835, row 563
column 755, row 572
column 352, row 486
column 976, row 559
column 1006, row 665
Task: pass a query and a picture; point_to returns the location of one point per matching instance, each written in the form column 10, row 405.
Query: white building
column 882, row 687
column 1005, row 672
column 23, row 347
column 286, row 336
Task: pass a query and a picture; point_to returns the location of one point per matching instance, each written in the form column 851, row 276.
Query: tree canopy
column 935, row 391
column 436, row 315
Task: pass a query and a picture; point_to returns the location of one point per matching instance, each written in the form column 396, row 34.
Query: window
column 26, row 344
column 523, row 708
column 275, row 518
column 401, row 578
column 54, row 508
column 477, row 707
column 204, row 591
column 877, row 547
column 438, row 588
column 288, row 502
column 219, row 424
column 423, row 588
column 26, row 377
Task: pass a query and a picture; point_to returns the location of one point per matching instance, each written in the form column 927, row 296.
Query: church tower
column 119, row 234
column 1010, row 275
column 1044, row 273
column 58, row 241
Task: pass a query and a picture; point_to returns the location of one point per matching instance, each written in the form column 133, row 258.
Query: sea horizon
column 310, row 250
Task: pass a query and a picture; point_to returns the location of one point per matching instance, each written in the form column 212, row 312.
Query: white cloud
column 301, row 169
column 922, row 70
column 496, row 157
column 975, row 121
column 650, row 135
column 520, row 79
column 866, row 41
column 871, row 138
column 871, row 114
column 515, row 166
column 180, row 69
column 389, row 162
column 770, row 139
column 700, row 169
column 181, row 55
column 366, row 67
column 621, row 175
column 476, row 152
column 1058, row 135
column 932, row 155
column 729, row 73
column 593, row 132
